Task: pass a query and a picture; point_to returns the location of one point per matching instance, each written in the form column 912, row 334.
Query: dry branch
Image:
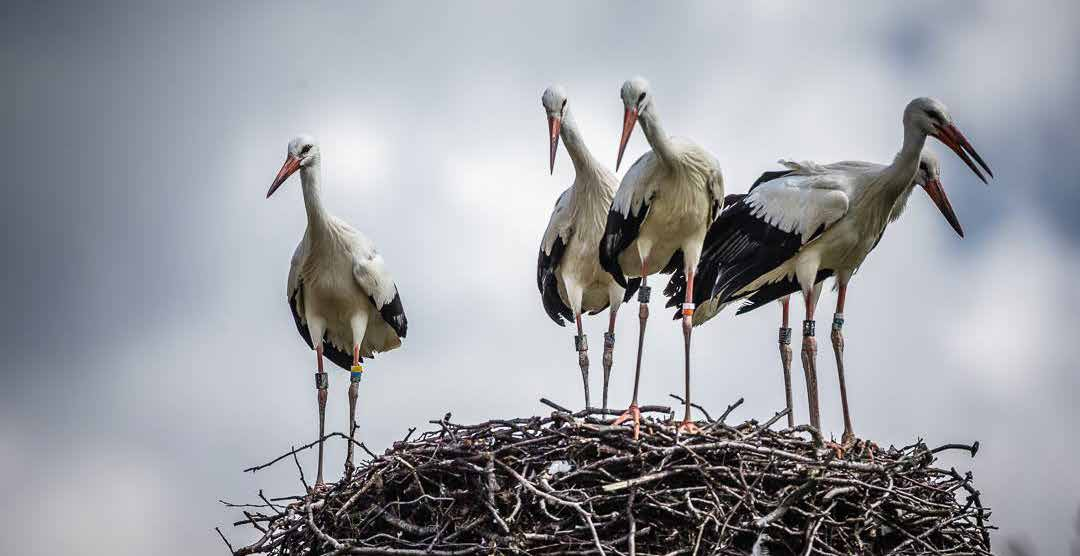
column 571, row 483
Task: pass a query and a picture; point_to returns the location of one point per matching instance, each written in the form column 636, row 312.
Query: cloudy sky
column 149, row 354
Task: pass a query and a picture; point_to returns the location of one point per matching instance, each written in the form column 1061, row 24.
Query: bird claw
column 865, row 447
column 631, row 413
column 687, row 427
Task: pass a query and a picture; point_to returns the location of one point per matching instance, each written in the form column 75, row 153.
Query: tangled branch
column 572, row 483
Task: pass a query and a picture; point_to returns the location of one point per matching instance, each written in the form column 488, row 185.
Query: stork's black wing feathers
column 771, row 292
column 548, row 283
column 619, row 233
column 738, row 248
column 675, row 290
column 335, row 355
column 394, row 314
column 764, row 177
column 632, row 286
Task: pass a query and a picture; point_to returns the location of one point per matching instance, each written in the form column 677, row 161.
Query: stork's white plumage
column 568, row 272
column 928, row 177
column 345, row 303
column 798, row 226
column 660, row 215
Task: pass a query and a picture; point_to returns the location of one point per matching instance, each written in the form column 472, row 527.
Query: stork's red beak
column 629, row 118
column 937, row 194
column 554, row 124
column 292, row 164
column 959, row 144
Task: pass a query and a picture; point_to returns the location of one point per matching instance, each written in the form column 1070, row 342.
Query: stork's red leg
column 354, row 387
column 687, row 425
column 321, row 385
column 609, row 348
column 785, row 359
column 581, row 344
column 809, row 360
column 643, row 316
column 838, row 348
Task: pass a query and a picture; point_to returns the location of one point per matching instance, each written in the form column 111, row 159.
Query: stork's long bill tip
column 554, row 125
column 955, row 140
column 941, row 200
column 291, row 165
column 629, row 118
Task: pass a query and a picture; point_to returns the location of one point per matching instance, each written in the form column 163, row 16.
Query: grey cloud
column 151, row 356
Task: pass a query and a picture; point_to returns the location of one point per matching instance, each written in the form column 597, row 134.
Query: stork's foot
column 836, row 448
column 864, row 448
column 632, row 413
column 848, row 440
column 319, row 488
column 687, row 427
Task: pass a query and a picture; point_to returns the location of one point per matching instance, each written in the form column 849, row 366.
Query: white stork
column 659, row 217
column 928, row 177
column 345, row 304
column 796, row 227
column 568, row 271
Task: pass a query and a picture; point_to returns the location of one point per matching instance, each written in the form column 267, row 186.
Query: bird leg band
column 643, row 294
column 808, row 328
column 785, row 336
column 321, row 381
column 688, row 309
column 838, row 321
column 581, row 343
column 356, row 373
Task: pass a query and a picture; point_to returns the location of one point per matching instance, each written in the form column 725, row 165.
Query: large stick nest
column 572, row 483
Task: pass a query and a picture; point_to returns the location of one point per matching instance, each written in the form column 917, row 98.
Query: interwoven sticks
column 570, row 483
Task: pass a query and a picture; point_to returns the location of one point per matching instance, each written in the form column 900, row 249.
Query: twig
column 227, row 543
column 572, row 483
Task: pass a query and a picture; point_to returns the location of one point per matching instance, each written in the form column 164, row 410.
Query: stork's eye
column 641, row 97
column 564, row 104
column 305, row 149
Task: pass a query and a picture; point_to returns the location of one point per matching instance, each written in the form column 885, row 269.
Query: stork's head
column 929, row 116
column 303, row 151
column 554, row 101
column 929, row 178
column 636, row 100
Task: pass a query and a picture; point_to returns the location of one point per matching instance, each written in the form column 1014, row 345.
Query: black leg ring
column 785, row 336
column 808, row 328
column 321, row 381
column 838, row 321
column 581, row 343
column 643, row 294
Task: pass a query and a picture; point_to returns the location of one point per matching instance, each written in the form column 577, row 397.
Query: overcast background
column 149, row 354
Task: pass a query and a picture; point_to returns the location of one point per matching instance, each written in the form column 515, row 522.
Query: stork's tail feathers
column 632, row 286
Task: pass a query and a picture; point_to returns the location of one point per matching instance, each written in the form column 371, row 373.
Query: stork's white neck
column 906, row 162
column 655, row 134
column 310, row 176
column 579, row 154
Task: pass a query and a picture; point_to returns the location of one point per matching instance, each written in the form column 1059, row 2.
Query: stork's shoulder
column 695, row 154
column 300, row 254
column 800, row 203
column 559, row 223
column 638, row 185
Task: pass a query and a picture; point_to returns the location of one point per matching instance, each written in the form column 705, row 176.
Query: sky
column 149, row 353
